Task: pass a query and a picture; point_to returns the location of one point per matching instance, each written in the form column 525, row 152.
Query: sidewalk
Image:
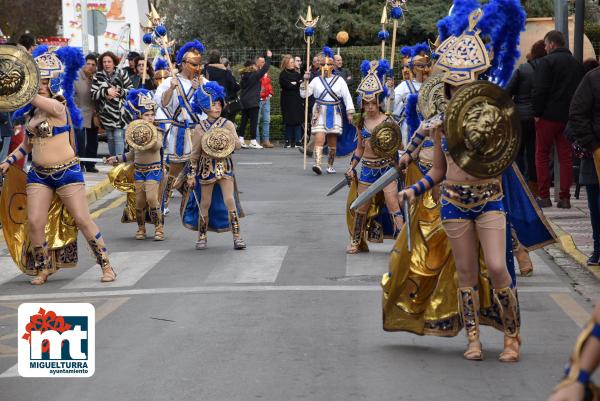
column 574, row 229
column 97, row 184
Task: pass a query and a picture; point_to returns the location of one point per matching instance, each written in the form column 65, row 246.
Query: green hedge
column 276, row 132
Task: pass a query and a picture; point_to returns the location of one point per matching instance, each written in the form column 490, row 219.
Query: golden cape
column 61, row 231
column 420, row 289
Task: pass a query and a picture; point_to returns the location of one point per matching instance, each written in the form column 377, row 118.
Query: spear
column 383, row 34
column 397, row 13
column 308, row 26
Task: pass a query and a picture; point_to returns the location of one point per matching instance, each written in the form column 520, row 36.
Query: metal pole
column 561, row 23
column 95, row 31
column 578, row 35
column 84, row 27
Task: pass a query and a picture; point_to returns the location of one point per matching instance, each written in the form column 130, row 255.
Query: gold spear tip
column 153, row 13
column 384, row 17
column 309, row 17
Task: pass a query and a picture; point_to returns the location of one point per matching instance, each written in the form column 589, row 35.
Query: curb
column 98, row 191
column 568, row 246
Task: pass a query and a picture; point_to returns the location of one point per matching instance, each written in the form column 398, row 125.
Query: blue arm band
column 124, row 157
column 422, row 188
column 415, row 190
column 23, row 151
column 583, row 377
column 596, row 331
column 354, row 157
column 429, row 180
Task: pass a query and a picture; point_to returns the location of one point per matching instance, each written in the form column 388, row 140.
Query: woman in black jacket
column 292, row 109
column 250, row 98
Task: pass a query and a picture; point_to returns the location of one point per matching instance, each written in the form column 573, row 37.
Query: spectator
column 315, row 69
column 292, row 105
column 584, row 122
column 340, row 70
column 556, row 78
column 264, row 108
column 519, row 88
column 6, row 131
column 136, row 80
column 250, row 98
column 27, row 41
column 109, row 90
column 298, row 63
column 131, row 68
column 216, row 70
column 87, row 136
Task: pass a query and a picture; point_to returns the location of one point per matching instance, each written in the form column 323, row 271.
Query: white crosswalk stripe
column 133, row 266
column 257, row 264
column 373, row 263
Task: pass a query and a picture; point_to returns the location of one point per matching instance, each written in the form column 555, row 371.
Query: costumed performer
column 41, row 248
column 329, row 91
column 211, row 200
column 472, row 209
column 145, row 141
column 382, row 216
column 175, row 96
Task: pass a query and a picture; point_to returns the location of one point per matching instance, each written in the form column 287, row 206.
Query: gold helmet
column 327, row 62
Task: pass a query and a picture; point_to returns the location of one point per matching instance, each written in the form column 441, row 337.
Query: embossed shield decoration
column 141, row 135
column 432, row 99
column 19, row 78
column 482, row 129
column 386, row 139
column 218, row 143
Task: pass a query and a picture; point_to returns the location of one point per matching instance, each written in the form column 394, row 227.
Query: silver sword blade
column 375, row 188
column 92, row 159
column 338, row 186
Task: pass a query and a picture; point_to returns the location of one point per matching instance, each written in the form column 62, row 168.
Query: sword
column 406, row 207
column 383, row 181
column 92, row 159
column 344, row 183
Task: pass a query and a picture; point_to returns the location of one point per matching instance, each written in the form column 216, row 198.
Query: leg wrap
column 99, row 250
column 156, row 217
column 202, row 226
column 234, row 221
column 168, row 190
column 468, row 304
column 318, row 152
column 508, row 303
column 41, row 259
column 331, row 157
column 358, row 231
column 140, row 218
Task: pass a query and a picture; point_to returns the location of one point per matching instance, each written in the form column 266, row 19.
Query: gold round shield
column 386, row 139
column 218, row 143
column 432, row 99
column 482, row 129
column 141, row 135
column 19, row 78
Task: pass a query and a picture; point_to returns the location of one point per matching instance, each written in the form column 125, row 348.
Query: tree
column 39, row 18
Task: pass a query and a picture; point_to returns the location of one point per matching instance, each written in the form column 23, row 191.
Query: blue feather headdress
column 140, row 101
column 328, row 52
column 500, row 24
column 161, row 64
column 207, row 94
column 61, row 67
column 194, row 46
column 372, row 86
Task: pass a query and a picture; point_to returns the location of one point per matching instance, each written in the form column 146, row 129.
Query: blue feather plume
column 328, row 52
column 420, row 47
column 39, row 50
column 365, row 66
column 72, row 59
column 195, row 44
column 503, row 21
column 161, row 64
column 202, row 98
column 458, row 20
column 406, row 51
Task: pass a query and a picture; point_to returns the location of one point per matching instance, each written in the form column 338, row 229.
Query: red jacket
column 266, row 89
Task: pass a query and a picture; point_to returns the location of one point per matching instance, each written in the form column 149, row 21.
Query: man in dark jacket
column 584, row 121
column 6, row 131
column 218, row 72
column 250, row 97
column 556, row 79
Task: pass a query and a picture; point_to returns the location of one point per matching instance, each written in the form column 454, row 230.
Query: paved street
column 291, row 318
